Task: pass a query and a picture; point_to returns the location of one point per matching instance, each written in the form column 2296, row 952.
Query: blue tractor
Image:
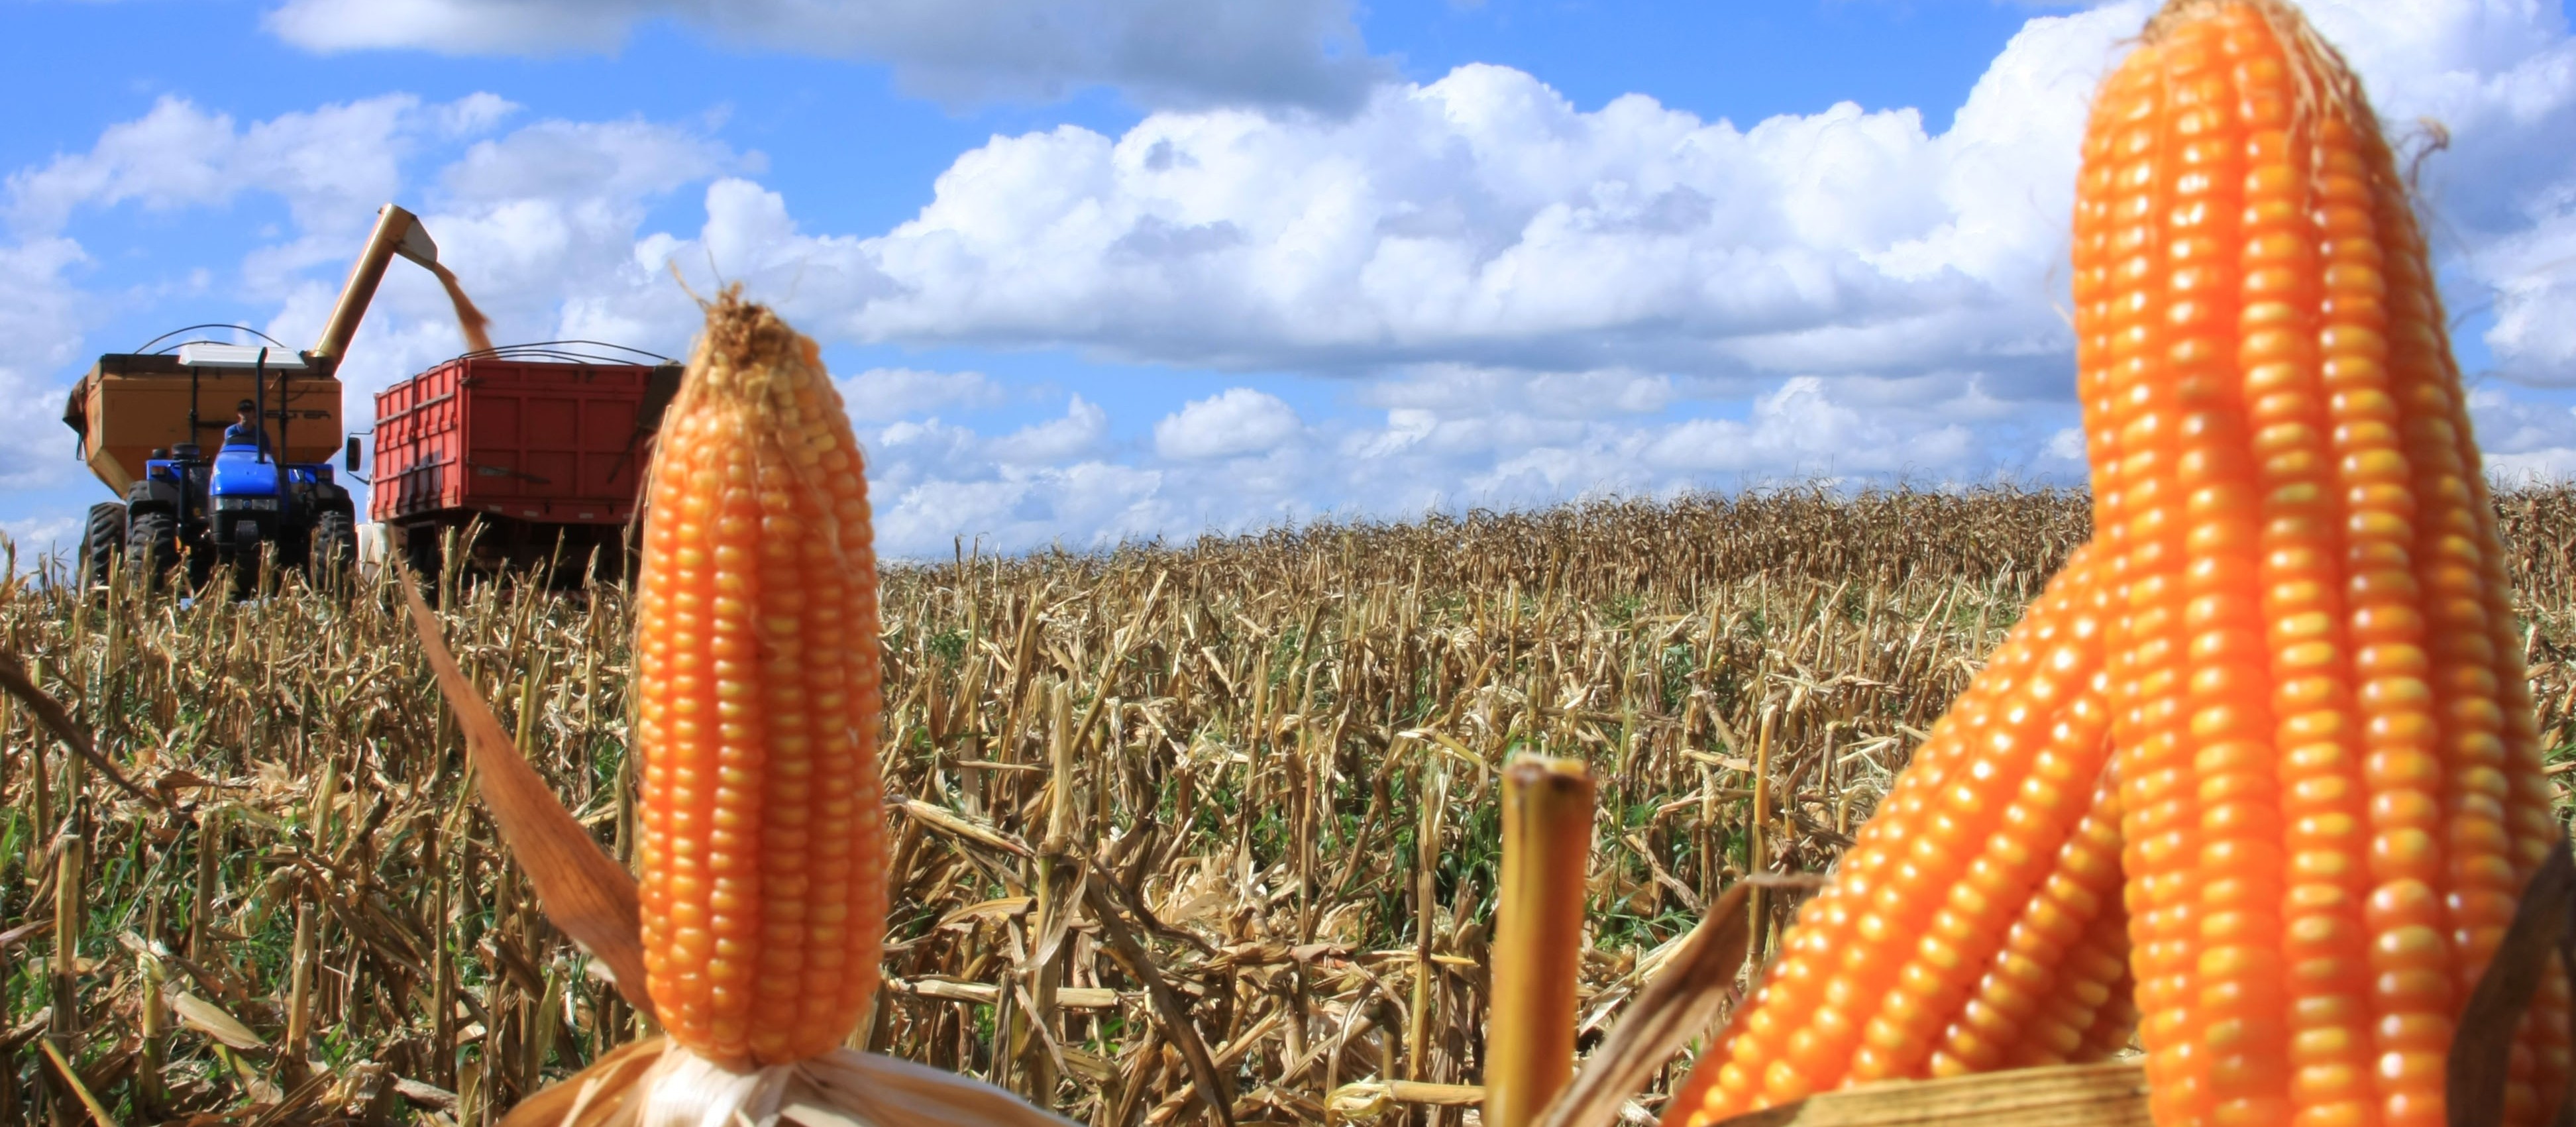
column 200, row 510
column 268, row 488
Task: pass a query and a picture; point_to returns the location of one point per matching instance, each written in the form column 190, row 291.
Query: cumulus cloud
column 34, row 542
column 539, row 223
column 42, row 315
column 1162, row 52
column 325, row 163
column 893, row 393
column 2524, row 442
column 1236, row 422
column 516, row 213
column 1484, row 219
column 1079, row 434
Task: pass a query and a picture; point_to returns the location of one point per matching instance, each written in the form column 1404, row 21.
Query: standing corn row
column 1888, row 967
column 2329, row 778
column 757, row 690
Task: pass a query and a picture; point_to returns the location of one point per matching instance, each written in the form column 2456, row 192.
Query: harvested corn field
column 284, row 906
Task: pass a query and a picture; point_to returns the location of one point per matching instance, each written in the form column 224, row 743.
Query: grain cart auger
column 268, row 484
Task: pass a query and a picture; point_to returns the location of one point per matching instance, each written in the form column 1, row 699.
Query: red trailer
column 540, row 447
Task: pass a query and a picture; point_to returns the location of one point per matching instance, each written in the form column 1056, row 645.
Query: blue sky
column 1104, row 269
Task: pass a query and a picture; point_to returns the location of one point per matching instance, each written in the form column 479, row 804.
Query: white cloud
column 36, row 541
column 331, row 165
column 2524, row 441
column 1189, row 52
column 1235, row 422
column 2533, row 276
column 563, row 159
column 42, row 315
column 1803, row 429
column 892, row 393
column 526, row 218
column 541, row 226
column 1483, row 219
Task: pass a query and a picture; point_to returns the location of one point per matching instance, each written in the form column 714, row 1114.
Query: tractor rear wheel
column 152, row 547
column 102, row 541
column 333, row 554
column 422, row 553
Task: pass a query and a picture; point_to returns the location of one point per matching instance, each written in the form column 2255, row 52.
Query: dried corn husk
column 2095, row 1095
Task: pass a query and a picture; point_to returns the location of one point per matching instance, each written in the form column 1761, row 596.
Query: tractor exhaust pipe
column 397, row 232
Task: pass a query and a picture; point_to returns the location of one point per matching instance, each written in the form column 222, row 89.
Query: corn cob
column 757, row 687
column 1888, row 956
column 2329, row 780
column 2059, row 962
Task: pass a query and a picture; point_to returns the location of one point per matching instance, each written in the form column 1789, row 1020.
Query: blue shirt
column 245, row 434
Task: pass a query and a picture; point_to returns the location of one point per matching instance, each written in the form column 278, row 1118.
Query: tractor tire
column 102, row 541
column 200, row 554
column 332, row 555
column 152, row 547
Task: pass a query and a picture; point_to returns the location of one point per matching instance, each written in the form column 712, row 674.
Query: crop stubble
column 312, row 921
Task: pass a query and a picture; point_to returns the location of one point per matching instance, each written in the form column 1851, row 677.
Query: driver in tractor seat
column 246, row 430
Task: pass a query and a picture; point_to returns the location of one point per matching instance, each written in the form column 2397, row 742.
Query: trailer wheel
column 101, row 542
column 152, row 547
column 421, row 553
column 333, row 554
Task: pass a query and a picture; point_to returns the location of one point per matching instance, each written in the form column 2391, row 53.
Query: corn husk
column 657, row 1083
column 2094, row 1095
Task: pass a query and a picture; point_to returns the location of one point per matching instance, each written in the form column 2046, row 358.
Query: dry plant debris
column 312, row 921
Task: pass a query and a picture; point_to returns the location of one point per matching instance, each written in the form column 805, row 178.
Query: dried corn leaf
column 1371, row 1099
column 956, row 825
column 2474, row 1086
column 593, row 1095
column 210, row 1019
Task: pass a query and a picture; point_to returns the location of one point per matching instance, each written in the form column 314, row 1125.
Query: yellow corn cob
column 1889, row 956
column 2059, row 963
column 757, row 699
column 2329, row 782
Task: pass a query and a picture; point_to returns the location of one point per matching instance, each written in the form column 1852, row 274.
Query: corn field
column 1231, row 801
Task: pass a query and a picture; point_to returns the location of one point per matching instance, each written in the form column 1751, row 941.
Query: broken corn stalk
column 1538, row 936
column 2331, row 787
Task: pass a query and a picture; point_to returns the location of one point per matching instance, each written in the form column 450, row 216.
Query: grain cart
column 144, row 417
column 519, row 457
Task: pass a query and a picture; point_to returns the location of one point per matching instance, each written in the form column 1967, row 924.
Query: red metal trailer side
column 547, row 448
